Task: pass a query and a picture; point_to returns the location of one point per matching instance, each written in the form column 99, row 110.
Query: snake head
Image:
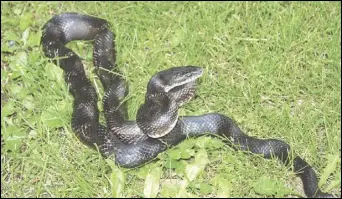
column 166, row 80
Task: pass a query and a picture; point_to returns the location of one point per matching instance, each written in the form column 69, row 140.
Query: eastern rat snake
column 157, row 125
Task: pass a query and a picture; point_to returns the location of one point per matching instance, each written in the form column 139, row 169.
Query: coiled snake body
column 157, row 125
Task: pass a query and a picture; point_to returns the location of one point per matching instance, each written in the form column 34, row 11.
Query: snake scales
column 157, row 125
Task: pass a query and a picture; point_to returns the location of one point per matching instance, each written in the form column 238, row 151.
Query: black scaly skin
column 124, row 140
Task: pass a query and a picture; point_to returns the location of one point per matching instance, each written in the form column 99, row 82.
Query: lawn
column 273, row 67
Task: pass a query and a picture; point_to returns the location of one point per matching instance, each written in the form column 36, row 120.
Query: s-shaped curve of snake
column 157, row 125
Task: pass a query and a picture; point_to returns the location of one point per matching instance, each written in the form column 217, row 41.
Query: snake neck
column 158, row 115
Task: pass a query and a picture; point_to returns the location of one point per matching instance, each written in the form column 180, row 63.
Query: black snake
column 157, row 125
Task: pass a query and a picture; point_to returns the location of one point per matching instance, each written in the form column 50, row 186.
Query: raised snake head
column 168, row 79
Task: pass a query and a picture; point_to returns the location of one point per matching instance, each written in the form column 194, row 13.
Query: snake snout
column 188, row 73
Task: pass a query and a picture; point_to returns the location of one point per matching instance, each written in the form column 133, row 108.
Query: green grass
column 275, row 68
